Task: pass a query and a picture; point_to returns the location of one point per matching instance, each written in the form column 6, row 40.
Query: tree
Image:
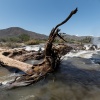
column 24, row 37
column 50, row 63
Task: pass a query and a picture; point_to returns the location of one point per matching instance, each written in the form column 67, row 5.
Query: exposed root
column 51, row 60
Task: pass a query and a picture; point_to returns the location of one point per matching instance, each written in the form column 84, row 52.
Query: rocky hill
column 16, row 31
column 67, row 36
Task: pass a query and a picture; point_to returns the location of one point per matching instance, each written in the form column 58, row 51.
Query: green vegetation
column 86, row 40
column 24, row 37
column 19, row 39
column 74, row 41
column 34, row 42
column 10, row 45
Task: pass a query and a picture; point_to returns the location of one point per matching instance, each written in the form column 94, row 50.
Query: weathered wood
column 4, row 60
column 23, row 55
column 50, row 63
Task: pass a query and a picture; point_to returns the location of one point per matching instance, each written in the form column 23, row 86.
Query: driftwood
column 6, row 61
column 23, row 55
column 15, row 59
column 50, row 63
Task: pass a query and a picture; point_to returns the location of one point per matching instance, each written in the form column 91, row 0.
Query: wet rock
column 0, row 83
column 97, row 61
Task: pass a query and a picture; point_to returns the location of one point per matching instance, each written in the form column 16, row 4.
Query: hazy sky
column 42, row 15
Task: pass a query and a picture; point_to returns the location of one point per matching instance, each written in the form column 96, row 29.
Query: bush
column 32, row 42
column 11, row 45
column 24, row 37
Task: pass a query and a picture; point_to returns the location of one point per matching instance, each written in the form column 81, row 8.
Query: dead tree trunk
column 50, row 63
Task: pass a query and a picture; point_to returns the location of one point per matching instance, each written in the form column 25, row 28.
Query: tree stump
column 50, row 63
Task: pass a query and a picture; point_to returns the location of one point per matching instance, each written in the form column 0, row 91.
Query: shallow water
column 77, row 79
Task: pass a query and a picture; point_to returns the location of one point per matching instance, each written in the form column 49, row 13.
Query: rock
column 0, row 83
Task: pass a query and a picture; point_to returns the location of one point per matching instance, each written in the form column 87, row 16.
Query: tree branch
column 61, row 37
column 63, row 22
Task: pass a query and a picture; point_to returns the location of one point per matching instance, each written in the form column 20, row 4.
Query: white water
column 81, row 53
column 58, row 89
column 9, row 77
column 96, row 41
column 87, row 46
column 27, row 97
column 34, row 47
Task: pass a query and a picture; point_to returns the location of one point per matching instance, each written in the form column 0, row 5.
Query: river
column 78, row 78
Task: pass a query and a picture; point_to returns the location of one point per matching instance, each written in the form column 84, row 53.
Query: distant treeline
column 26, row 39
column 75, row 41
column 23, row 38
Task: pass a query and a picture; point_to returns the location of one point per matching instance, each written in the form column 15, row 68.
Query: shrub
column 24, row 37
column 32, row 42
column 11, row 45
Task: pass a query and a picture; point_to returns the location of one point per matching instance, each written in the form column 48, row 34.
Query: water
column 96, row 41
column 34, row 47
column 77, row 79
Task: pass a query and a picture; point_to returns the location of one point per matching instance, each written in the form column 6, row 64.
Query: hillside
column 75, row 37
column 16, row 31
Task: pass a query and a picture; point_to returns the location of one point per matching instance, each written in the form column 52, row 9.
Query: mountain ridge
column 16, row 31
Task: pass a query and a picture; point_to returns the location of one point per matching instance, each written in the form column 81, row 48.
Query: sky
column 42, row 15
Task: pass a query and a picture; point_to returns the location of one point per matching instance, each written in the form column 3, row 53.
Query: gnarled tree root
column 50, row 63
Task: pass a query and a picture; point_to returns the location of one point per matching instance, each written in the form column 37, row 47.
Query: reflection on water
column 3, row 71
column 33, row 61
column 77, row 79
column 52, row 91
column 60, row 91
